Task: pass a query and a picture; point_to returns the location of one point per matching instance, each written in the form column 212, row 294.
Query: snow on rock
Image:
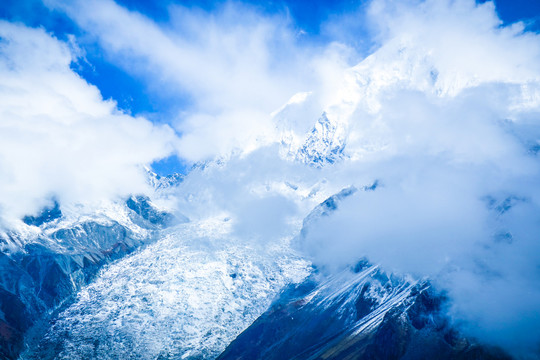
column 185, row 296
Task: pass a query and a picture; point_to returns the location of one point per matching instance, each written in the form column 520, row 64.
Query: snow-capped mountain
column 320, row 143
column 52, row 255
column 159, row 182
column 200, row 292
column 132, row 280
column 360, row 313
column 324, row 144
column 186, row 296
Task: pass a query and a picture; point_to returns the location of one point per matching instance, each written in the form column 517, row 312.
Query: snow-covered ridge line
column 48, row 257
column 185, row 296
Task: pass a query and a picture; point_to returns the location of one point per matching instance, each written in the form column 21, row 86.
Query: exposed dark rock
column 360, row 315
column 45, row 273
column 46, row 215
column 150, row 214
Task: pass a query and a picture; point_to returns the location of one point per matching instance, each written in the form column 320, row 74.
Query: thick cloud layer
column 233, row 67
column 58, row 138
column 444, row 114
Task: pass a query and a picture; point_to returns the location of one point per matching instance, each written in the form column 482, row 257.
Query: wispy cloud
column 235, row 65
column 58, row 137
column 444, row 114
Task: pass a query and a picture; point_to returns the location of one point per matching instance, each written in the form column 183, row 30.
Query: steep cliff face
column 360, row 313
column 51, row 257
column 324, row 144
column 185, row 296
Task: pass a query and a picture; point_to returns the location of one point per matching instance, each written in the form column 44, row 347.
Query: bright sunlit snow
column 167, row 169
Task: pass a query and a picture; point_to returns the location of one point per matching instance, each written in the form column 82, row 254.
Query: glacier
column 185, row 296
column 49, row 257
column 377, row 227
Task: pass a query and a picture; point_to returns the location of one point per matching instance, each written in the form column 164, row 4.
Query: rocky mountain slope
column 52, row 255
column 361, row 312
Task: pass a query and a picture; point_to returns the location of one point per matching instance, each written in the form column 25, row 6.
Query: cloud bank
column 58, row 138
column 444, row 114
column 232, row 66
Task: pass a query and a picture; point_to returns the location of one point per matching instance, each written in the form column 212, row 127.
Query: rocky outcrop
column 41, row 274
column 358, row 313
column 361, row 313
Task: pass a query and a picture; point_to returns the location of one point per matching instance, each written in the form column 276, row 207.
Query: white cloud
column 465, row 41
column 58, row 137
column 445, row 113
column 235, row 65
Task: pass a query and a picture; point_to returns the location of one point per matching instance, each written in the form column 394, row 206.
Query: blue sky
column 132, row 91
column 443, row 111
